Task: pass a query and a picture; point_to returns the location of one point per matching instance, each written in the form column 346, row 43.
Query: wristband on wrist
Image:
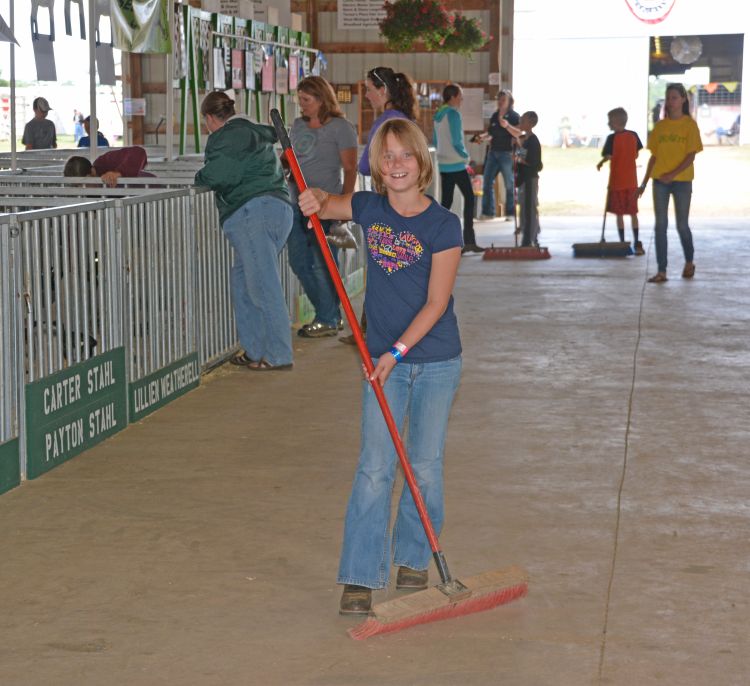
column 403, row 349
column 396, row 354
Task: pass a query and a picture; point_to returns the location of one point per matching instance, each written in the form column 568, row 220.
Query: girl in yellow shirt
column 674, row 143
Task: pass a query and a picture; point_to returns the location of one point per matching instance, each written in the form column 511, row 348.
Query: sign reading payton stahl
column 651, row 11
column 74, row 409
column 157, row 389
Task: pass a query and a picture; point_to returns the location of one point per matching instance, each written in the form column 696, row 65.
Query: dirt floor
column 599, row 440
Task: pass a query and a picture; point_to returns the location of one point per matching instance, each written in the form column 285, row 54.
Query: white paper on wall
column 471, row 109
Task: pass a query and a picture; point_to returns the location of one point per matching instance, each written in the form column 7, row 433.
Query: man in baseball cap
column 40, row 133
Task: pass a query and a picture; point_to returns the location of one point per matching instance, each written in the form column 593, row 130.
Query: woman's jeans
column 423, row 395
column 497, row 161
column 448, row 181
column 307, row 263
column 681, row 192
column 257, row 232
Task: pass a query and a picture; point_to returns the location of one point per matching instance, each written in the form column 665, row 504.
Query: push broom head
column 602, row 249
column 484, row 592
column 510, row 253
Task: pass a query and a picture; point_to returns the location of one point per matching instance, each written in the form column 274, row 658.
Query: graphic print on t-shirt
column 391, row 250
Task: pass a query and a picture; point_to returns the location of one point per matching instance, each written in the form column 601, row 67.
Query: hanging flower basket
column 408, row 22
column 465, row 36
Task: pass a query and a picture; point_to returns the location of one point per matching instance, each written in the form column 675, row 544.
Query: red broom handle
column 364, row 353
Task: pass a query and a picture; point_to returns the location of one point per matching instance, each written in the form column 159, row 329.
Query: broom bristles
column 514, row 584
column 525, row 253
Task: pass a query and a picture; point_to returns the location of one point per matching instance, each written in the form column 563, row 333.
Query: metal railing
column 9, row 397
column 69, row 285
column 217, row 336
column 148, row 273
column 160, row 267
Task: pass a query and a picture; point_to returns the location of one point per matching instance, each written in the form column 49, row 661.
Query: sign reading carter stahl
column 651, row 11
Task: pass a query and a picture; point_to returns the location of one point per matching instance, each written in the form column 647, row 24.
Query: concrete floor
column 599, row 439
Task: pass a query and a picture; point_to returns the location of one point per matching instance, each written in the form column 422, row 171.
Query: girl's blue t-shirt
column 399, row 259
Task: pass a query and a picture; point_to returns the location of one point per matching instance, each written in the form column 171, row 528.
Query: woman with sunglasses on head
column 674, row 142
column 391, row 94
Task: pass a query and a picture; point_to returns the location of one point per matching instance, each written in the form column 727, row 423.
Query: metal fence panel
column 8, row 362
column 70, row 271
column 160, row 267
column 215, row 316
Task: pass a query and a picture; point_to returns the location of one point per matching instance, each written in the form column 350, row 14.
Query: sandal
column 241, row 360
column 263, row 366
column 689, row 271
column 659, row 277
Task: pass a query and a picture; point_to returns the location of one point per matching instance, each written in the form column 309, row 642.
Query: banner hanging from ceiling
column 141, row 26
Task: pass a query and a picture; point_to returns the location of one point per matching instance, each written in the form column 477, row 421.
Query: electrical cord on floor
column 623, row 474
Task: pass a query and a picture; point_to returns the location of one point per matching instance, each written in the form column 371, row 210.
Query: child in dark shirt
column 528, row 166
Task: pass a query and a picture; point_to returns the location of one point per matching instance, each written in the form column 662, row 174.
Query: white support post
column 93, row 123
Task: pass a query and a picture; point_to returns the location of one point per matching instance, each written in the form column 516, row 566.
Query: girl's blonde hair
column 411, row 137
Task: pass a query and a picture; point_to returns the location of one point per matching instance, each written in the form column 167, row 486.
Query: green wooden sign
column 10, row 471
column 74, row 409
column 161, row 387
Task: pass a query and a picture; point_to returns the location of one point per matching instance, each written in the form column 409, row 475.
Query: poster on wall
column 267, row 75
column 220, row 74
column 471, row 109
column 282, row 78
column 293, row 72
column 238, row 62
column 359, row 14
column 250, row 70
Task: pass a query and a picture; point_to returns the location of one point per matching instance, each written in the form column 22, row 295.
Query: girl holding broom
column 412, row 335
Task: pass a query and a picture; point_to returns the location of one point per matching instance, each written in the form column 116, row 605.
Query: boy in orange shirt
column 621, row 150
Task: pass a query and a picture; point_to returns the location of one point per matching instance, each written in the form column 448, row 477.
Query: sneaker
column 340, row 324
column 471, row 247
column 485, row 217
column 413, row 579
column 355, row 600
column 639, row 248
column 317, row 330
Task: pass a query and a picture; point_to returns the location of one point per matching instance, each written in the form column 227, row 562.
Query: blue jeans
column 257, row 232
column 423, row 395
column 497, row 161
column 681, row 191
column 308, row 265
